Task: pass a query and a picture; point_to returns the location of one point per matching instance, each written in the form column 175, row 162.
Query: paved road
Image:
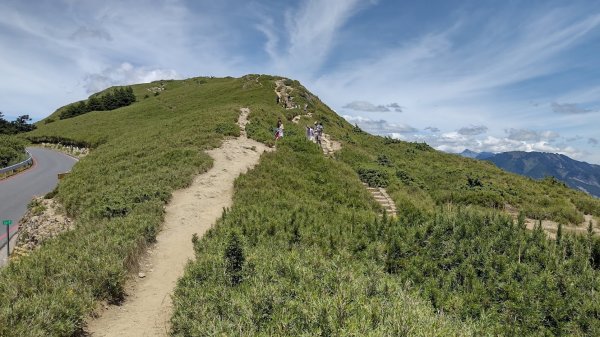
column 16, row 192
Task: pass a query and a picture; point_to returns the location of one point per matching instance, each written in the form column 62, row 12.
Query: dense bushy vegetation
column 20, row 124
column 420, row 178
column 318, row 262
column 313, row 266
column 12, row 150
column 491, row 269
column 109, row 100
column 303, row 250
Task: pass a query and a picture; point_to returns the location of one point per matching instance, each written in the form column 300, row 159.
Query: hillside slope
column 307, row 249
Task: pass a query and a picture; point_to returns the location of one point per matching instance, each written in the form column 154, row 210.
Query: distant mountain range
column 477, row 155
column 537, row 165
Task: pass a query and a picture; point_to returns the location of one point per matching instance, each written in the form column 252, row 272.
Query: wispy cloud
column 308, row 34
column 370, row 107
column 84, row 32
column 69, row 49
column 531, row 135
column 380, row 127
column 569, row 108
column 395, row 106
column 431, row 90
column 126, row 73
column 473, row 130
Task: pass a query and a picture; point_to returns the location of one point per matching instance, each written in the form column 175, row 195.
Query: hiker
column 279, row 131
column 318, row 132
column 310, row 133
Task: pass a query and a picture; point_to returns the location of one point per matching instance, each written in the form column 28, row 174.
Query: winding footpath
column 18, row 190
column 193, row 210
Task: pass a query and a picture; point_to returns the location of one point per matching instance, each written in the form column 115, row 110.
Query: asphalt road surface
column 17, row 191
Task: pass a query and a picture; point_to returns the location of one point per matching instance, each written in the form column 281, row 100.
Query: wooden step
column 380, row 195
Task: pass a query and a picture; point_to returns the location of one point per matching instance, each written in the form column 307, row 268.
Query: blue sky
column 484, row 75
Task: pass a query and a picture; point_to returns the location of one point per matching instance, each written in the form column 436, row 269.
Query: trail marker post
column 7, row 223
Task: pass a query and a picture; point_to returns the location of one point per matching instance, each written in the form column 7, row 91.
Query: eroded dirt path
column 551, row 227
column 147, row 309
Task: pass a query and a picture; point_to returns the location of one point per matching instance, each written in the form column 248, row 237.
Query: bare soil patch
column 551, row 227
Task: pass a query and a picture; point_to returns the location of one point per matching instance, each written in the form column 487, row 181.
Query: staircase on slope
column 330, row 146
column 381, row 196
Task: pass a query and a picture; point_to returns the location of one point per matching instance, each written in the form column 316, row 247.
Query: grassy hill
column 318, row 258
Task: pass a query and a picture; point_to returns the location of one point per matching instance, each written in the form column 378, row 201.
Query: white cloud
column 370, row 107
column 84, row 32
column 380, row 127
column 307, row 36
column 432, row 129
column 531, row 135
column 422, row 65
column 267, row 27
column 569, row 108
column 455, row 143
column 440, row 78
column 126, row 73
column 68, row 49
column 365, row 106
column 473, row 130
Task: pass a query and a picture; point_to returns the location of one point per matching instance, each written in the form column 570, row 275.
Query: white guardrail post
column 17, row 166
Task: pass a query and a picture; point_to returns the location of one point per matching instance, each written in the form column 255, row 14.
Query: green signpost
column 7, row 223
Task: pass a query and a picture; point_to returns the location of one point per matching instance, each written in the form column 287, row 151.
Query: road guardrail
column 26, row 162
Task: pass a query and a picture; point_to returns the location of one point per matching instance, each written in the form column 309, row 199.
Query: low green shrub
column 12, row 150
column 227, row 129
column 374, row 177
column 384, row 160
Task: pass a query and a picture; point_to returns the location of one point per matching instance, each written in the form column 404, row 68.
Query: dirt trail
column 551, row 227
column 147, row 309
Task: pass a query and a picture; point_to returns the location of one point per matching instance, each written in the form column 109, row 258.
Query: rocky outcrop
column 44, row 220
column 73, row 151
